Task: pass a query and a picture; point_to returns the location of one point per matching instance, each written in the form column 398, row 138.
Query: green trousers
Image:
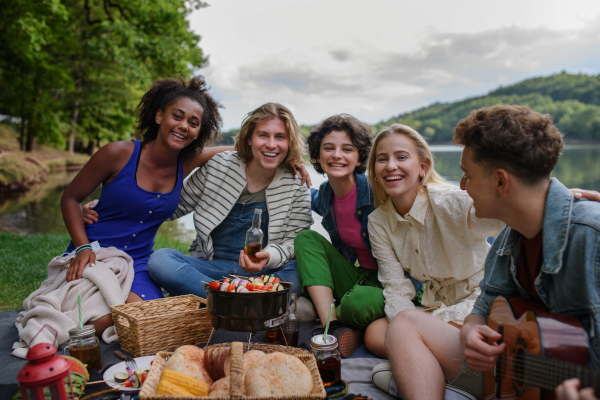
column 357, row 290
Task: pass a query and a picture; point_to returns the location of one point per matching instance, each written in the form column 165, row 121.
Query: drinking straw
column 79, row 305
column 327, row 326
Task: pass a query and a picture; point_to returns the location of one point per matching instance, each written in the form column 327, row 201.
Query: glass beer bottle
column 291, row 327
column 254, row 237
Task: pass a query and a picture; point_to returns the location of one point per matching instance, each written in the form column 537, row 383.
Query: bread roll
column 222, row 388
column 249, row 358
column 216, row 362
column 189, row 360
column 278, row 374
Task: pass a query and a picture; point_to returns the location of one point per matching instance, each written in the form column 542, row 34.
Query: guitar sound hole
column 519, row 368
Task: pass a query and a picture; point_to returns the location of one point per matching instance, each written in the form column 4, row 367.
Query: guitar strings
column 545, row 373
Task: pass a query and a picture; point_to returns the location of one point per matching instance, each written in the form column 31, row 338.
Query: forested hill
column 573, row 101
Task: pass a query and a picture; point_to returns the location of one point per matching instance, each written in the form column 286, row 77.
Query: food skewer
column 106, row 380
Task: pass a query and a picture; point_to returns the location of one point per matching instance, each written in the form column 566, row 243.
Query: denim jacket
column 569, row 280
column 322, row 204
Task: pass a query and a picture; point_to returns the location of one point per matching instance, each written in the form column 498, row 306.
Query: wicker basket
column 145, row 328
column 237, row 349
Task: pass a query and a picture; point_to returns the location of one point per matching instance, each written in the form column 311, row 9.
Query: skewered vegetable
column 264, row 283
column 121, row 377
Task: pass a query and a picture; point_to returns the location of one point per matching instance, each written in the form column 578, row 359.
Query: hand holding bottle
column 251, row 267
column 253, row 258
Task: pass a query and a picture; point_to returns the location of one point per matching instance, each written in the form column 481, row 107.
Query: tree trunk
column 90, row 148
column 23, row 119
column 74, row 117
column 32, row 125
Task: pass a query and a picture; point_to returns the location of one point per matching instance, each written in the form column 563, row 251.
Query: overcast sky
column 376, row 59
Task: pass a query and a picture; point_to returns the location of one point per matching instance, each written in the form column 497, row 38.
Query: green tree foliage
column 77, row 68
column 563, row 86
column 572, row 100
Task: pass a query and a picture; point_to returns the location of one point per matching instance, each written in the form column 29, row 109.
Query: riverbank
column 23, row 261
column 20, row 170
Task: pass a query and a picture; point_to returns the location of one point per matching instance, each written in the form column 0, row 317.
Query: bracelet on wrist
column 83, row 247
column 86, row 244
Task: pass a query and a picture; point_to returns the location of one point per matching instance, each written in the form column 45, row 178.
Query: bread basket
column 237, row 352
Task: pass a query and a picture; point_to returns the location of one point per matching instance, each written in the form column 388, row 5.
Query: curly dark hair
column 360, row 135
column 166, row 91
column 515, row 138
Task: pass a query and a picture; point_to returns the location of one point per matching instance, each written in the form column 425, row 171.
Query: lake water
column 38, row 211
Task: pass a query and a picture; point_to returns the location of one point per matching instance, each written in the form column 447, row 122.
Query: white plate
column 109, row 374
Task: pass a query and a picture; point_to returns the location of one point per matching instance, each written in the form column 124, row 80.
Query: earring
column 375, row 179
column 157, row 121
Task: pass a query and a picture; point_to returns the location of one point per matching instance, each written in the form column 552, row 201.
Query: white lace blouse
column 439, row 242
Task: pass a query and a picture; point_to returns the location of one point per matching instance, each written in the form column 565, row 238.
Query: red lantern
column 43, row 377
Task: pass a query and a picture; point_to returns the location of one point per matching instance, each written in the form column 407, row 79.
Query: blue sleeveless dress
column 129, row 217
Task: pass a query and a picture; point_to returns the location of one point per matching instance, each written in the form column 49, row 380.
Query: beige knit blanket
column 55, row 303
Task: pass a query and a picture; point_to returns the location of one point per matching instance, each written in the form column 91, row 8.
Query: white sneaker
column 381, row 376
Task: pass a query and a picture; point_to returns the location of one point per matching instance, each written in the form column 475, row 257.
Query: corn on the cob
column 173, row 382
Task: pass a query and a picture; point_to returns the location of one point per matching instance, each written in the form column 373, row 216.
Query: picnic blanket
column 55, row 302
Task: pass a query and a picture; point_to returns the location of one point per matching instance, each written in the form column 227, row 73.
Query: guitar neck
column 547, row 373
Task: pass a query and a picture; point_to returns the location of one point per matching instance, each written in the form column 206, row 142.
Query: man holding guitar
column 549, row 252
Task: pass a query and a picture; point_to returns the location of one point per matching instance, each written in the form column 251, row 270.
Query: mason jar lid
column 317, row 342
column 79, row 333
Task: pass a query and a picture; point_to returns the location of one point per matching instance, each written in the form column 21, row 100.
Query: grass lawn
column 23, row 261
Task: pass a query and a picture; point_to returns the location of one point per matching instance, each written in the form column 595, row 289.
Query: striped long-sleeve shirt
column 212, row 191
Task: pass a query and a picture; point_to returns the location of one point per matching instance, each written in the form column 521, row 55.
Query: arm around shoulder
column 202, row 158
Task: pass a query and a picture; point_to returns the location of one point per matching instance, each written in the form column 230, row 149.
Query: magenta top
column 349, row 228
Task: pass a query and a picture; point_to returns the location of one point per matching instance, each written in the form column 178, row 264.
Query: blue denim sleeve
column 314, row 201
column 483, row 304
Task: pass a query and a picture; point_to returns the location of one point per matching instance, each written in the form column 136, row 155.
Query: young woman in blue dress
column 142, row 181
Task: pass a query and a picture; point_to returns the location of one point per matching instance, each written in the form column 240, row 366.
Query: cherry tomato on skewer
column 230, row 288
column 214, row 285
column 250, row 286
column 275, row 281
column 268, row 287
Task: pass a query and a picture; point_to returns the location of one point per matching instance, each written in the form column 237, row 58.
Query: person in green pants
column 339, row 147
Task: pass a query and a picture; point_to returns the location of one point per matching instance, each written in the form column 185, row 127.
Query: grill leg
column 283, row 334
column 249, row 339
column 210, row 337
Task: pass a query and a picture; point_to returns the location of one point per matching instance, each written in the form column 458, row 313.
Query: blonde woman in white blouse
column 424, row 226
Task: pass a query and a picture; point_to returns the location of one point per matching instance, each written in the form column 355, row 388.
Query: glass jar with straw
column 83, row 344
column 329, row 360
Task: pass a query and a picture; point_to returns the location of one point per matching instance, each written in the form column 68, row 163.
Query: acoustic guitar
column 542, row 350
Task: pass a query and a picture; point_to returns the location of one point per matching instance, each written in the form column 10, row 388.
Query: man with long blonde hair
column 224, row 194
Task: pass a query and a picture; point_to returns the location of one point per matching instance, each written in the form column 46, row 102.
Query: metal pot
column 247, row 312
